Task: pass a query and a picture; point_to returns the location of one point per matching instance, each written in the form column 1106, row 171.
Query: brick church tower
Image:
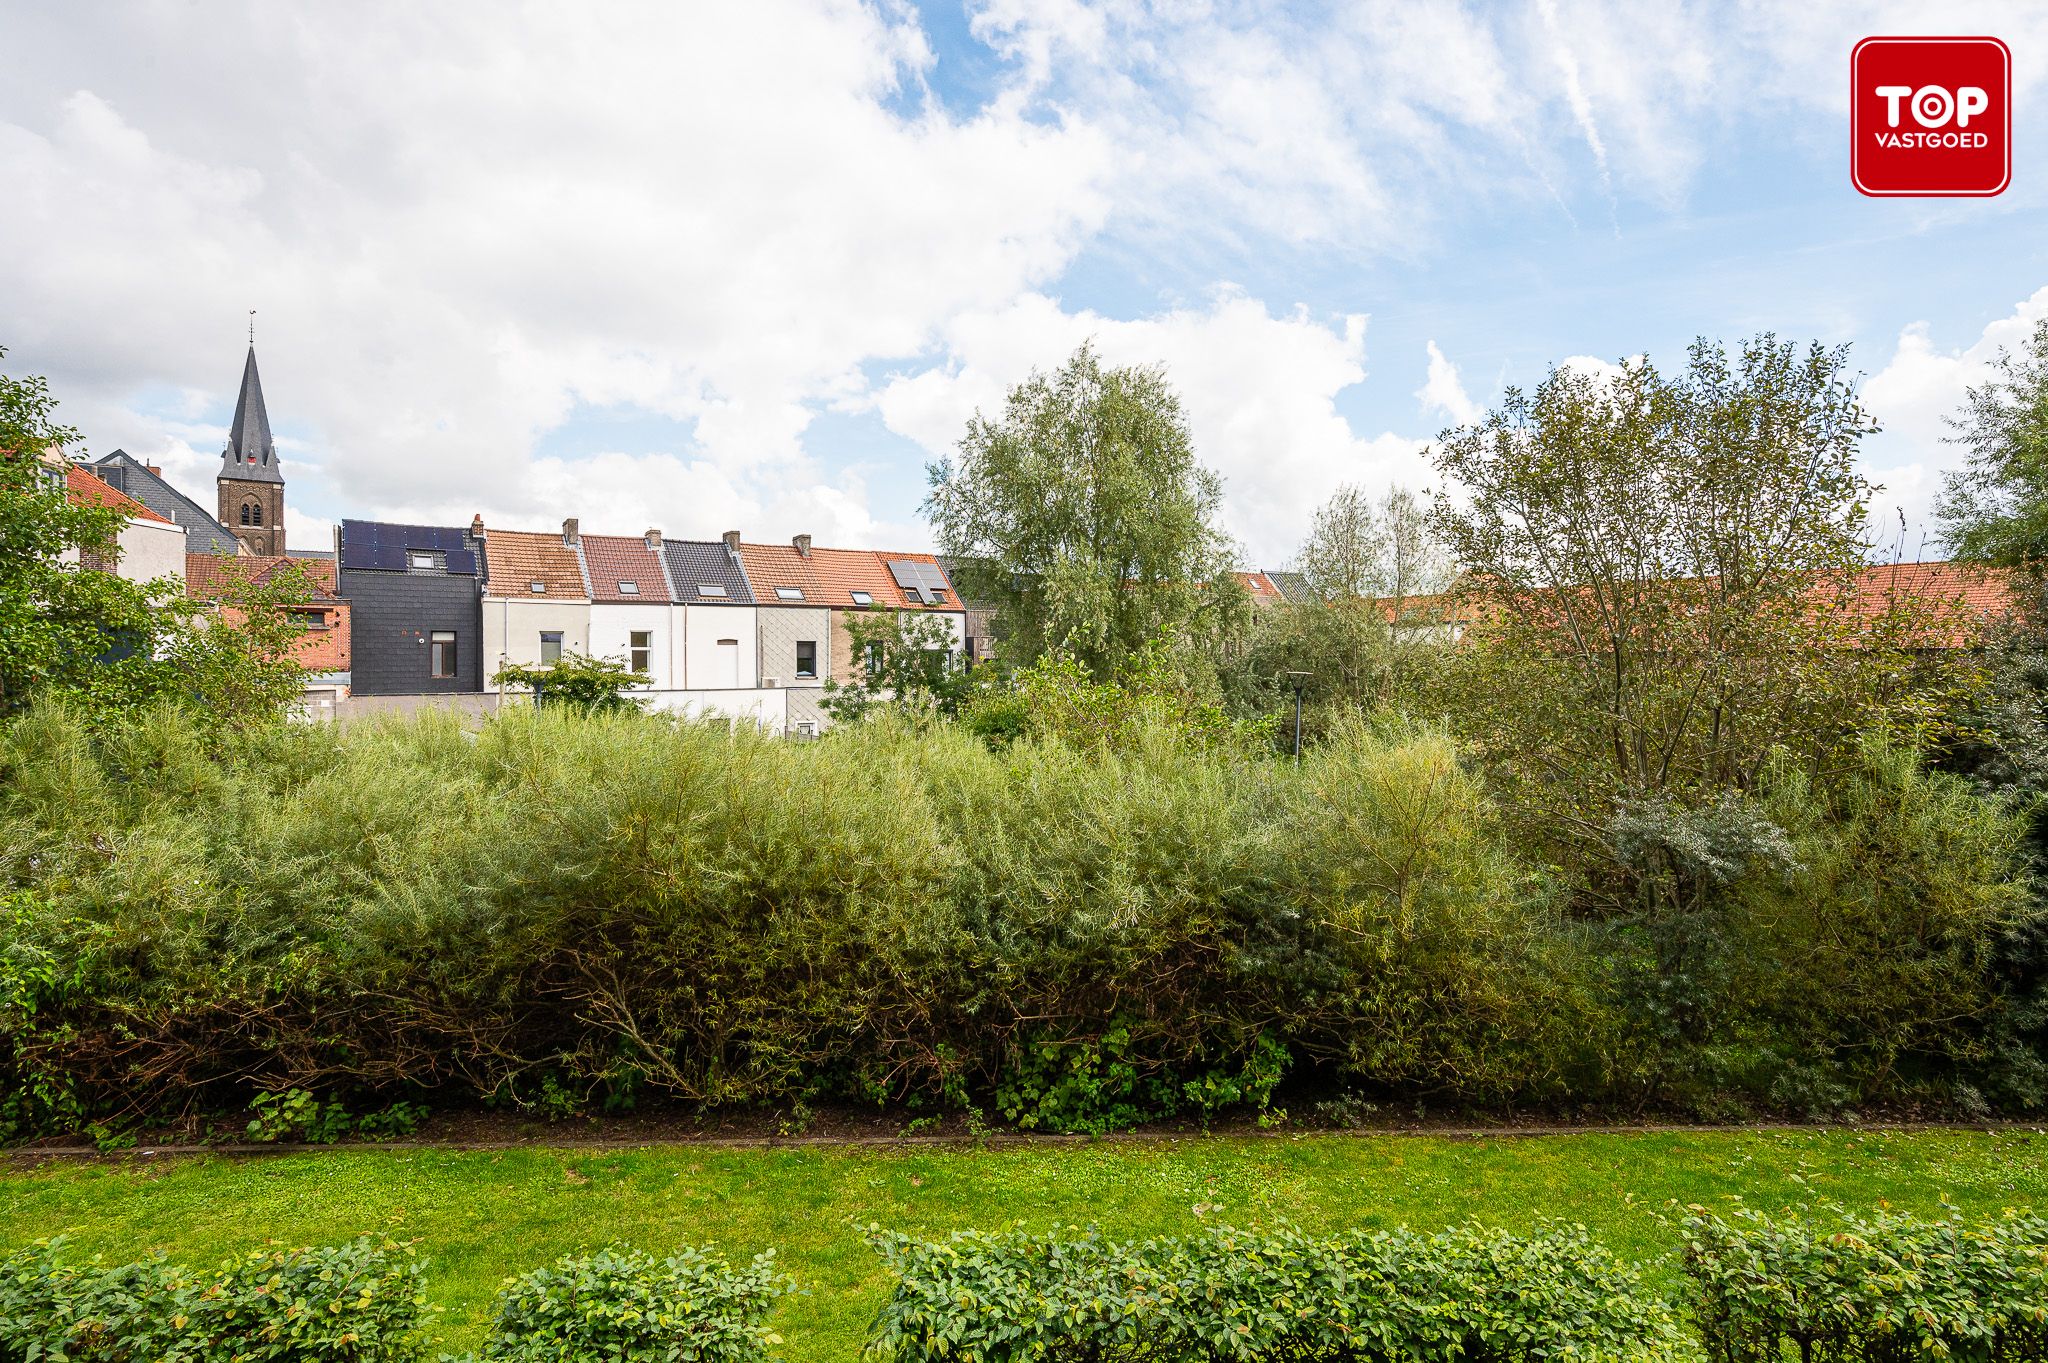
column 251, row 485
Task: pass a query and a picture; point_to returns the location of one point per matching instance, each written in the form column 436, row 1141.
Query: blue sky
column 753, row 267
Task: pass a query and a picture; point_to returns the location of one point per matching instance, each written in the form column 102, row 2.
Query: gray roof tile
column 250, row 454
column 203, row 534
column 693, row 563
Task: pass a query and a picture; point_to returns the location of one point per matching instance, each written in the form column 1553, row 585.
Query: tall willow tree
column 1082, row 514
column 1995, row 508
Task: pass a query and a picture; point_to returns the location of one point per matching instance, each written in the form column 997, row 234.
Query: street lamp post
column 1299, row 680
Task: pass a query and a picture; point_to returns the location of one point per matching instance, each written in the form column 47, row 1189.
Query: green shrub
column 623, row 1306
column 1871, row 962
column 564, row 913
column 1466, row 1294
column 1839, row 1288
column 354, row 1303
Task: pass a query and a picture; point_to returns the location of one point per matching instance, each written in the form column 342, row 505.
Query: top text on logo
column 1930, row 116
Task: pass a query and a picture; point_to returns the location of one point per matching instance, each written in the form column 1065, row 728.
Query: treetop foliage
column 1083, row 515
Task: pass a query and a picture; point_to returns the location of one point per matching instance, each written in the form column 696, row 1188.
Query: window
column 967, row 649
column 629, row 589
column 255, row 514
column 711, row 589
column 873, row 659
column 420, row 558
column 807, row 657
column 789, row 593
column 537, row 588
column 442, row 659
column 245, row 513
column 863, row 598
column 550, row 646
column 642, row 641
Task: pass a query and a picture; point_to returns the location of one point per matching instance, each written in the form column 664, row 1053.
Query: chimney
column 732, row 542
column 569, row 532
column 154, row 470
column 803, row 545
column 653, row 539
column 476, row 526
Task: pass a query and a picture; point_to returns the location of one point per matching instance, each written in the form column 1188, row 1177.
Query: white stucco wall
column 767, row 708
column 611, row 636
column 151, row 549
column 512, row 630
column 701, row 629
column 956, row 626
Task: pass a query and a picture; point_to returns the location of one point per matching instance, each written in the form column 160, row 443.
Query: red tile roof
column 1263, row 590
column 206, row 575
column 1953, row 602
column 829, row 577
column 81, row 486
column 516, row 559
column 614, row 560
column 1961, row 598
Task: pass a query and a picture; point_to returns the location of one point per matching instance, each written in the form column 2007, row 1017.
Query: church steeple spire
column 251, row 484
column 249, row 455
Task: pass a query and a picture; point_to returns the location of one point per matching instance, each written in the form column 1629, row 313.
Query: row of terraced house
column 402, row 615
column 724, row 627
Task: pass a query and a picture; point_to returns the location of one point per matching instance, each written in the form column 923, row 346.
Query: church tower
column 251, row 485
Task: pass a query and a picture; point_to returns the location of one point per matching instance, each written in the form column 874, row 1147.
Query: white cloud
column 1259, row 390
column 462, row 227
column 457, row 227
column 1443, row 393
column 1913, row 396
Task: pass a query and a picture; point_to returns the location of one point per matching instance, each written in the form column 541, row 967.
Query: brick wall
column 324, row 647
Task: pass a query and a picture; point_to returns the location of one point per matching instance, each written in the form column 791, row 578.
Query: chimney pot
column 569, row 532
column 732, row 540
column 653, row 538
column 803, row 545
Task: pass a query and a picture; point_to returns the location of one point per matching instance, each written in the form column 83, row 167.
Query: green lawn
column 481, row 1216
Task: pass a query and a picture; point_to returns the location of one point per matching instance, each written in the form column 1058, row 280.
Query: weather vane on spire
column 252, row 326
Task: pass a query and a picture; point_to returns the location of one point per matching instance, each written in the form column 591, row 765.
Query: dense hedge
column 1840, row 1288
column 563, row 913
column 354, row 1303
column 1466, row 1295
column 362, row 1303
column 623, row 1306
column 1832, row 1289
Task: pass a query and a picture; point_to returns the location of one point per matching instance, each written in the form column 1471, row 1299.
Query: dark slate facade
column 396, row 606
column 693, row 564
column 203, row 534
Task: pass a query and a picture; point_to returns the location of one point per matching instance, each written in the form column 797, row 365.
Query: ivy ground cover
column 481, row 1216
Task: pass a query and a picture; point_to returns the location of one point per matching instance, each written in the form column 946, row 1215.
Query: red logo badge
column 1930, row 117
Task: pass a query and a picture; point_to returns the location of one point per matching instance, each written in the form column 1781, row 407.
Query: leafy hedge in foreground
column 624, row 1306
column 362, row 1303
column 355, row 1303
column 1466, row 1294
column 1841, row 1288
column 1822, row 1289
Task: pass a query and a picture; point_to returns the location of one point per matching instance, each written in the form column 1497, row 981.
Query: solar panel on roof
column 921, row 580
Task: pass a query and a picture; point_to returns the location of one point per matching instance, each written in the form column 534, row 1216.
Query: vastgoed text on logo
column 1930, row 116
